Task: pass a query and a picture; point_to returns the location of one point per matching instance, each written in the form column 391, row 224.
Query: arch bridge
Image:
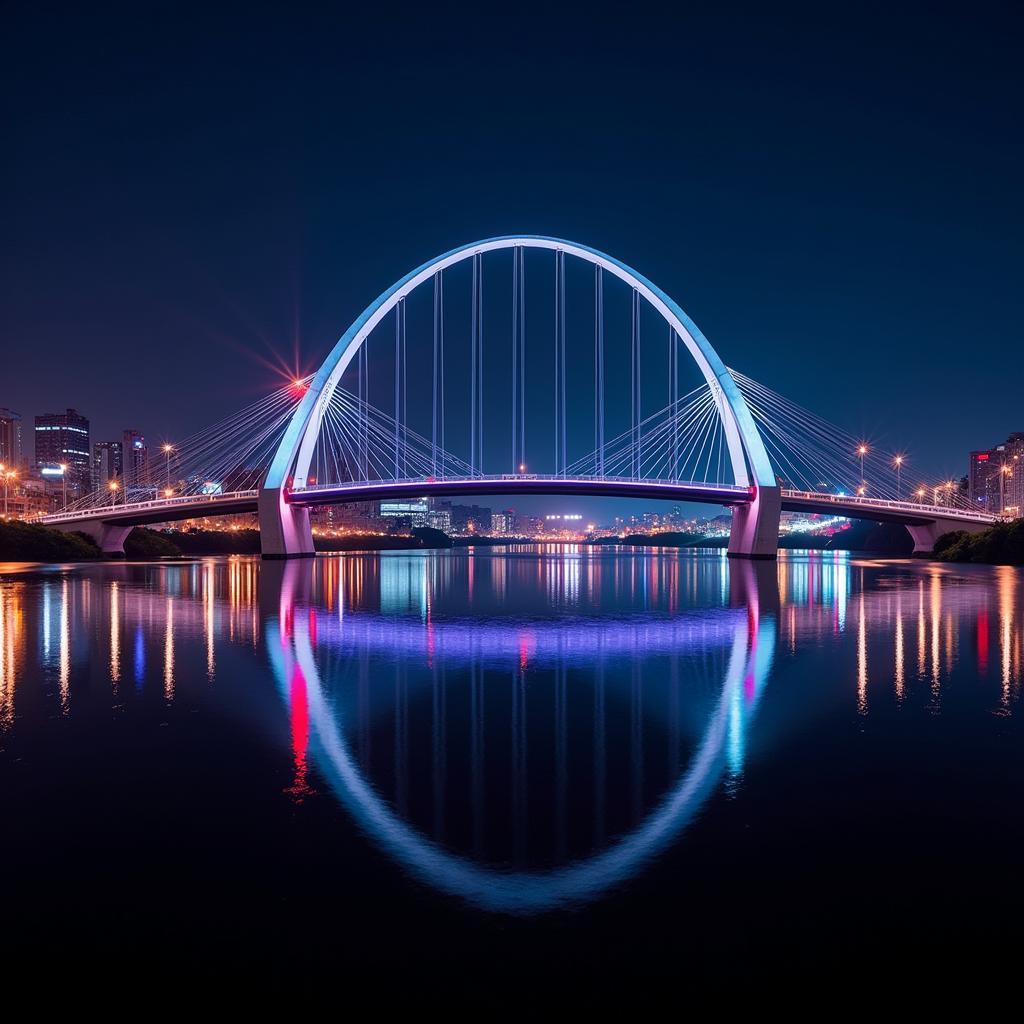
column 328, row 440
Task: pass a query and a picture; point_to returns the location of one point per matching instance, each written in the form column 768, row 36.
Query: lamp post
column 920, row 495
column 114, row 487
column 862, row 450
column 8, row 475
column 1004, row 472
column 168, row 449
column 898, row 463
column 64, row 481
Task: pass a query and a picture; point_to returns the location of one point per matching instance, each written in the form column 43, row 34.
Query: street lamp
column 8, row 475
column 862, row 450
column 167, row 450
column 898, row 463
column 1004, row 472
column 64, row 481
column 921, row 494
column 114, row 486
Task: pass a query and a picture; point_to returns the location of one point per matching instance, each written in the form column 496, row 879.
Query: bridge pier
column 109, row 536
column 284, row 529
column 755, row 526
column 926, row 534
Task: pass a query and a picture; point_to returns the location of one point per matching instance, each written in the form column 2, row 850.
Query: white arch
column 750, row 463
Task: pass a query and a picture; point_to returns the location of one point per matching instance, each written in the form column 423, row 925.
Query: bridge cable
column 515, row 355
column 599, row 367
column 522, row 354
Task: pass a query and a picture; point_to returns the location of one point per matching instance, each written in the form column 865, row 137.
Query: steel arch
column 750, row 462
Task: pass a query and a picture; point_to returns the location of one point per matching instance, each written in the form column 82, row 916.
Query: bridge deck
column 161, row 510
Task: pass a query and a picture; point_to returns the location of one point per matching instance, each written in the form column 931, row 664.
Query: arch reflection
column 746, row 633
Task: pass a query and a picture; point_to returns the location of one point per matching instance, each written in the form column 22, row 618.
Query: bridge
column 354, row 431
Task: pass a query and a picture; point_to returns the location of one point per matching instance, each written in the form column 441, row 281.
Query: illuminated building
column 135, row 459
column 107, row 463
column 29, row 497
column 10, row 439
column 996, row 477
column 467, row 518
column 62, row 439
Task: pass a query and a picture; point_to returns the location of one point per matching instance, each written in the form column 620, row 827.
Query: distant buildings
column 135, row 458
column 995, row 477
column 62, row 453
column 107, row 463
column 10, row 439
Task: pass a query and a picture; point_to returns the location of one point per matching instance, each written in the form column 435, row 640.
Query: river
column 496, row 772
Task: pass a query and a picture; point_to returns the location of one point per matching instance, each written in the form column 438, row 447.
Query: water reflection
column 523, row 728
column 734, row 645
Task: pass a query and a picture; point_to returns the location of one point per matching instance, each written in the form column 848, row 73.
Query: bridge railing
column 98, row 512
column 737, row 489
column 910, row 507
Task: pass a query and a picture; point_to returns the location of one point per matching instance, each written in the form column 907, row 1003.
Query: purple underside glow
column 719, row 494
column 538, row 641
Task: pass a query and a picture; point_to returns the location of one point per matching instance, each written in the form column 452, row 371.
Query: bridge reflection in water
column 506, row 687
column 522, row 729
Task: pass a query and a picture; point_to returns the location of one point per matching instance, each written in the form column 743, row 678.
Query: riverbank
column 999, row 545
column 30, row 542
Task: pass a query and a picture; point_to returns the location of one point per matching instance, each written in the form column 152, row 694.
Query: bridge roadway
column 111, row 524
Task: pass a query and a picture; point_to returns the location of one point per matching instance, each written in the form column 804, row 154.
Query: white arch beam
column 289, row 531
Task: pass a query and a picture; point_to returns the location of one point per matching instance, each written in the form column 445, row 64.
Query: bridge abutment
column 755, row 526
column 109, row 536
column 284, row 529
column 926, row 534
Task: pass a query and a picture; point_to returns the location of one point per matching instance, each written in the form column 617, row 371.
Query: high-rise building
column 10, row 439
column 107, row 463
column 62, row 439
column 978, row 472
column 135, row 460
column 996, row 477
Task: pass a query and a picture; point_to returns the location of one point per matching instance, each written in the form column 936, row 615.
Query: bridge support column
column 926, row 534
column 755, row 526
column 109, row 536
column 284, row 528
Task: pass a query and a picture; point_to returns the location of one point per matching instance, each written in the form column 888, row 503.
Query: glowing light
column 167, row 448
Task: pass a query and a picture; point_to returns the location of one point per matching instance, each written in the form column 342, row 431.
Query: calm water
column 502, row 772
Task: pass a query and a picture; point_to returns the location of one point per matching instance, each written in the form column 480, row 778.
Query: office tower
column 135, row 460
column 62, row 439
column 107, row 463
column 10, row 439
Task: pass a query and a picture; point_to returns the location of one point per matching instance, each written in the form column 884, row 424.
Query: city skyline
column 207, row 313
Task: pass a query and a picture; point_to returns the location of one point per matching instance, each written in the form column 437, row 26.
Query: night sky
column 195, row 203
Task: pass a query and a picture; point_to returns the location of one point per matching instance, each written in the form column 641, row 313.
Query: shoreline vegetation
column 1002, row 544
column 28, row 542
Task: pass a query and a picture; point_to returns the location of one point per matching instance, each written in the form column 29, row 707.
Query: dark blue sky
column 834, row 194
